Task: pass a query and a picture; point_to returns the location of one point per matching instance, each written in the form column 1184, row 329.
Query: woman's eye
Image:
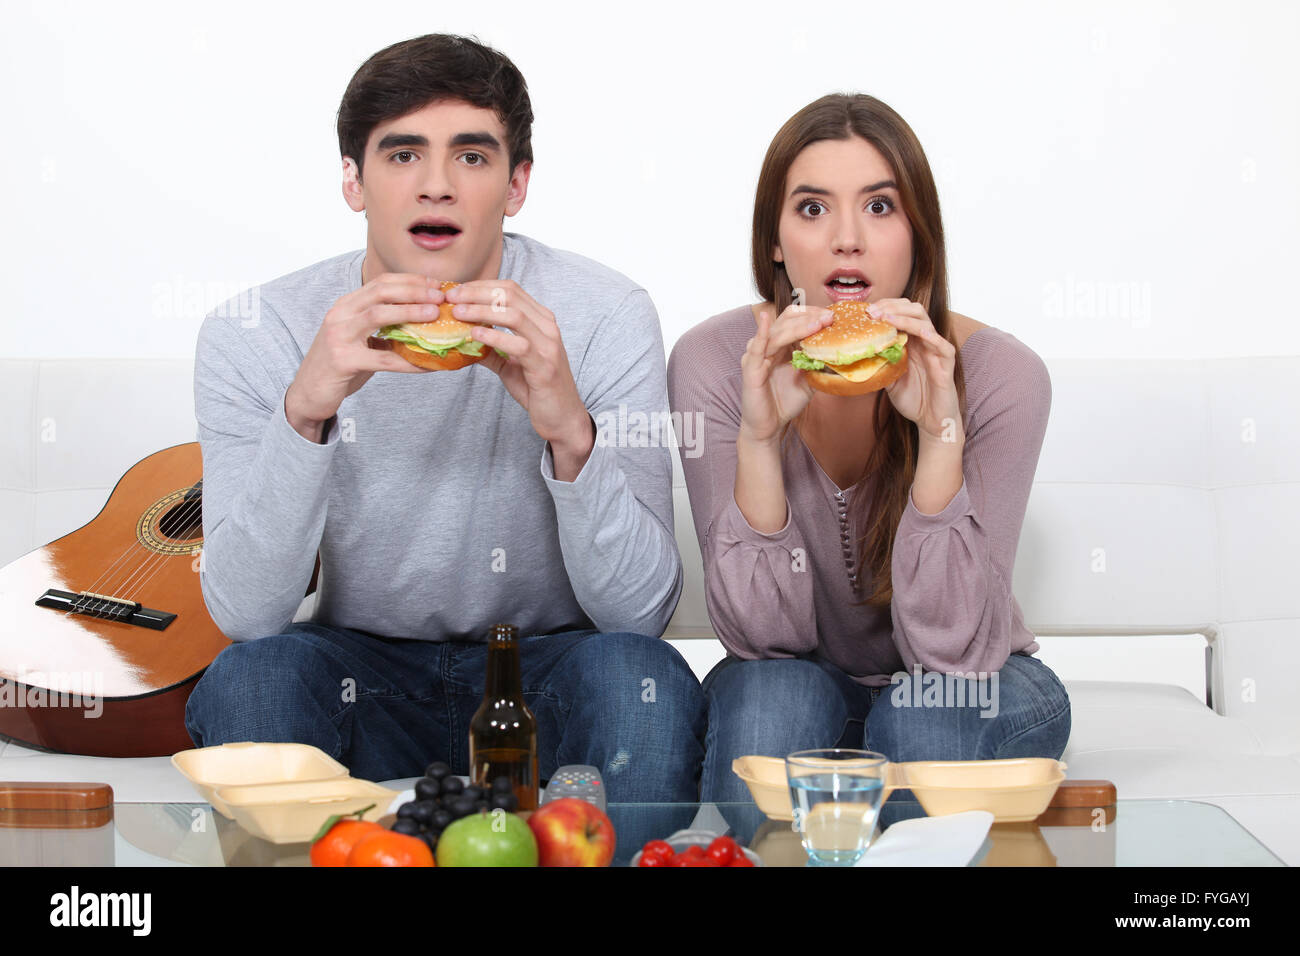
column 812, row 208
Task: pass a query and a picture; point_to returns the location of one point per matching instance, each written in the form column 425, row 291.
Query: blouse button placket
column 846, row 544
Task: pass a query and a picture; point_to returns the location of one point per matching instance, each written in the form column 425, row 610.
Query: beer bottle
column 503, row 733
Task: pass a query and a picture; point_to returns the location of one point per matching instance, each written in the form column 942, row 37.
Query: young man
column 442, row 502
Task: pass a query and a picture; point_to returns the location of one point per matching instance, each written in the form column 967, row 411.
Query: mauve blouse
column 791, row 593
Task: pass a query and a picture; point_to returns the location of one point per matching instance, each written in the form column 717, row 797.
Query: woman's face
column 840, row 216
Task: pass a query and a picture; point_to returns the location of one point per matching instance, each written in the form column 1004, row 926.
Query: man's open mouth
column 434, row 234
column 427, row 230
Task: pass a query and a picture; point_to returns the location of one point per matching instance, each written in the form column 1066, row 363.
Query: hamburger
column 440, row 345
column 853, row 355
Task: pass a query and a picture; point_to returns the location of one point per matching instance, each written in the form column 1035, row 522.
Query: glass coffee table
column 1129, row 833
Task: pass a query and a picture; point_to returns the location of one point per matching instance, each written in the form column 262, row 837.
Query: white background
column 1113, row 175
column 1105, row 169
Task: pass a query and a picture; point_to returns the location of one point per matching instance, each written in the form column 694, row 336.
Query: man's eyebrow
column 818, row 191
column 394, row 140
column 486, row 140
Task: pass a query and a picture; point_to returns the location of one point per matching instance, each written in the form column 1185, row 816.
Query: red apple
column 572, row 832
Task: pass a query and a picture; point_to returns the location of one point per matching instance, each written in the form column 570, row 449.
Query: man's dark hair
column 410, row 75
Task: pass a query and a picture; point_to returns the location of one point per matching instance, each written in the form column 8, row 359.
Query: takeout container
column 248, row 764
column 1013, row 790
column 295, row 812
column 1018, row 844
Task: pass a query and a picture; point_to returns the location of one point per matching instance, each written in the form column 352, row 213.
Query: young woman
column 858, row 548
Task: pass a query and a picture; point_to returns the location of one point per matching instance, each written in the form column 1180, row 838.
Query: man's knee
column 633, row 708
column 635, row 669
column 253, row 687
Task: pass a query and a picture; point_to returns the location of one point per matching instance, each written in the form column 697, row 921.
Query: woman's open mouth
column 847, row 288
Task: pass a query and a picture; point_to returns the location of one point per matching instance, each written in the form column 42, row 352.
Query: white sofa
column 1167, row 502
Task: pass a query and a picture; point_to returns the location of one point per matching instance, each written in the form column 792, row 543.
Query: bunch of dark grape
column 441, row 798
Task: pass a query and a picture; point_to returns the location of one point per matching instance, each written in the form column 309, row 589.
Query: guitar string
column 159, row 560
column 186, row 513
column 98, row 587
column 156, row 561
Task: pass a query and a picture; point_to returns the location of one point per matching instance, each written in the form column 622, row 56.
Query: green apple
column 487, row 839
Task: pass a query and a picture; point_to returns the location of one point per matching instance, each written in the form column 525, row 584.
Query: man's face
column 841, row 217
column 447, row 162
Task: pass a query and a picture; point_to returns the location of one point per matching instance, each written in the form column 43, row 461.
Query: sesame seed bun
column 444, row 332
column 850, row 348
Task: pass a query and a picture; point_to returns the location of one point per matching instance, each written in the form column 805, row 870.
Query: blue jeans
column 775, row 707
column 386, row 708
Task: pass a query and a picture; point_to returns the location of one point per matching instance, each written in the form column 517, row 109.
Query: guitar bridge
column 105, row 607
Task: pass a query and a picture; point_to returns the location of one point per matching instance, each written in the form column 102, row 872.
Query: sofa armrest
column 1251, row 668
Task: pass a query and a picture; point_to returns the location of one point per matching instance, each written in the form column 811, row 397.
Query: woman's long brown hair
column 893, row 458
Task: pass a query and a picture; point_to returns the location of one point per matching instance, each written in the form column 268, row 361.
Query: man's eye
column 405, row 152
column 479, row 158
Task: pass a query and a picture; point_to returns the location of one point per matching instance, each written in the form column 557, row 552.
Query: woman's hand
column 774, row 391
column 927, row 392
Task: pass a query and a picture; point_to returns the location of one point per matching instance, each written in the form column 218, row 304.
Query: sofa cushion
column 1174, row 773
column 1119, row 715
column 1157, row 740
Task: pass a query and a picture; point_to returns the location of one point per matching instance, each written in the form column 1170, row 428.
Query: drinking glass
column 836, row 795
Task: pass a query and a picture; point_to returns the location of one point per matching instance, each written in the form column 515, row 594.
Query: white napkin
column 951, row 840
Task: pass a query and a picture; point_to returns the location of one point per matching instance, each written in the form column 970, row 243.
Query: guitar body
column 103, row 684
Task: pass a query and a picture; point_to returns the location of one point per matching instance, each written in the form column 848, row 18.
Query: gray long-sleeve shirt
column 432, row 501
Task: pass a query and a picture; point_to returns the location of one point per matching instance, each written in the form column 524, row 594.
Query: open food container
column 246, row 764
column 295, row 812
column 1013, row 790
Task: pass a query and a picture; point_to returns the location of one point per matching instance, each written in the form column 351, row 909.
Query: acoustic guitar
column 104, row 632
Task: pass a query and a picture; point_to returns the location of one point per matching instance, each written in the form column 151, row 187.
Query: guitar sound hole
column 183, row 522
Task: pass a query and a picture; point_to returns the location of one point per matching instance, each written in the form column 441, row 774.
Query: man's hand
column 340, row 361
column 535, row 370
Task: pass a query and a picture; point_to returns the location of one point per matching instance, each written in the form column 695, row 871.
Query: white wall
column 1130, row 163
column 1107, row 170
